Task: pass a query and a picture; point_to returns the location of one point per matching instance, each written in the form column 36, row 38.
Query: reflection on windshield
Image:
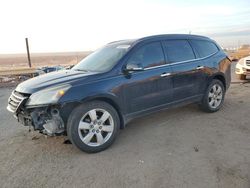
column 103, row 59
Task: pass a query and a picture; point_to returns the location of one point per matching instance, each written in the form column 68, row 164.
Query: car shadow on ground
column 135, row 129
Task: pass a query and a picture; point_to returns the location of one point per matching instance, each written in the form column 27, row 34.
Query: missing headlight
column 48, row 121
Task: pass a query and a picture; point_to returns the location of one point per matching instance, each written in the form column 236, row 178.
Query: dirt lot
column 182, row 147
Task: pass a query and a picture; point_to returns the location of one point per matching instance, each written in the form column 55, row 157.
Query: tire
column 87, row 128
column 207, row 103
column 242, row 76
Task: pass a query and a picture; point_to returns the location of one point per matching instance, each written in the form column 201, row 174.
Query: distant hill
column 12, row 61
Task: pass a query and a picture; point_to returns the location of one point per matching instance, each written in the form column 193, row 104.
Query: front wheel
column 93, row 126
column 214, row 97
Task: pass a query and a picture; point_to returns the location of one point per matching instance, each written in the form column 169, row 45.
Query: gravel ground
column 182, row 147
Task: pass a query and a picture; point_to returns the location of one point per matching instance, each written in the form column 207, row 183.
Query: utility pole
column 28, row 51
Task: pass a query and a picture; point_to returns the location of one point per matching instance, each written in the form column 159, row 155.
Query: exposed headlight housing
column 47, row 96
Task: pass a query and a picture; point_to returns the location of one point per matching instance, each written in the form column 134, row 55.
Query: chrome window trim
column 180, row 62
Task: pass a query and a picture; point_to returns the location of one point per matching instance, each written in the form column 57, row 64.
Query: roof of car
column 175, row 36
column 163, row 37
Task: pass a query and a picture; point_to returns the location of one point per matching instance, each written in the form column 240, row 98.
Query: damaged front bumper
column 46, row 119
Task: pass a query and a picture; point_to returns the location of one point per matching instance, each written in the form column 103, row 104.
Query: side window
column 149, row 55
column 178, row 50
column 204, row 48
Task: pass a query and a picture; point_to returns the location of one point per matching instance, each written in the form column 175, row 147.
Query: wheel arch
column 221, row 77
column 111, row 101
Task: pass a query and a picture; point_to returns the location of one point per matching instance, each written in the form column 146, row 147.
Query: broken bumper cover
column 45, row 118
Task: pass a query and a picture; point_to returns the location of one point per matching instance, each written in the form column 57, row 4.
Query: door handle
column 200, row 67
column 165, row 74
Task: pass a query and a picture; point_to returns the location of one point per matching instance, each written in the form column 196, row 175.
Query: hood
column 52, row 79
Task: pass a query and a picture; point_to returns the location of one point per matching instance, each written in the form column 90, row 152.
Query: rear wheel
column 93, row 126
column 242, row 76
column 214, row 97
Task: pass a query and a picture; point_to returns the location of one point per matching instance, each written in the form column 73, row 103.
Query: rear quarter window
column 204, row 48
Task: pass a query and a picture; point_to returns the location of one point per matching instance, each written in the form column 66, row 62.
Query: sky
column 82, row 25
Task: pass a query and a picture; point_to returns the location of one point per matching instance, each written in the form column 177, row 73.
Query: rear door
column 152, row 86
column 187, row 70
column 206, row 56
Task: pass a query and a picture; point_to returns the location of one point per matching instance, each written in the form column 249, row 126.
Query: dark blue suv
column 121, row 81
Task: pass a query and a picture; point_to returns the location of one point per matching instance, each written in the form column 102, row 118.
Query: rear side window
column 178, row 50
column 149, row 55
column 204, row 48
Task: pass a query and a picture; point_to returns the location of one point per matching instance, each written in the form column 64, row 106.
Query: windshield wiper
column 82, row 70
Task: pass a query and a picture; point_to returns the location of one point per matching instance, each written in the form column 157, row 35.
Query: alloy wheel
column 96, row 127
column 215, row 96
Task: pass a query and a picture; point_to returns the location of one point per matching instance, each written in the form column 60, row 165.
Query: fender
column 113, row 101
column 220, row 76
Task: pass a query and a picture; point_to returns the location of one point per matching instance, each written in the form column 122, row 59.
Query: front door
column 152, row 86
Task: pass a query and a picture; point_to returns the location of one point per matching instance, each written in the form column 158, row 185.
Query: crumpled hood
column 51, row 79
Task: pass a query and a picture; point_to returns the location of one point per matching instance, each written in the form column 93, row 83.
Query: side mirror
column 134, row 67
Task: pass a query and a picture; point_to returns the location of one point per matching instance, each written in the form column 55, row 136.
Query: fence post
column 28, row 52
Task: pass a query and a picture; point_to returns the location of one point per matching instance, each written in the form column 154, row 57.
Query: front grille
column 248, row 62
column 15, row 100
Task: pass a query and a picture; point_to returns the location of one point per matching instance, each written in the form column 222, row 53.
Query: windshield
column 103, row 59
